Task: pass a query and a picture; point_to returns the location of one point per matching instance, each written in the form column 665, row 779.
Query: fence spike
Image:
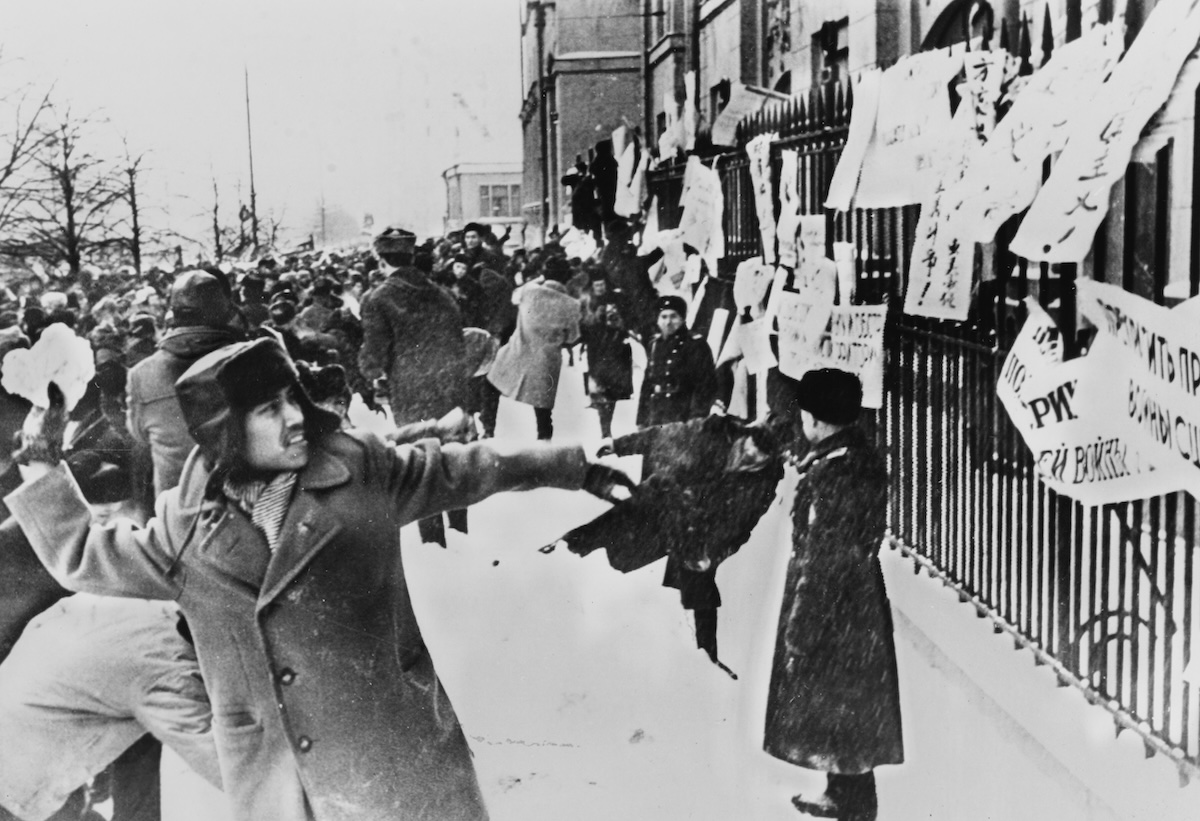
column 966, row 28
column 849, row 99
column 1025, row 48
column 1047, row 35
column 1004, row 44
column 802, row 117
column 1150, row 751
column 988, row 30
column 839, row 106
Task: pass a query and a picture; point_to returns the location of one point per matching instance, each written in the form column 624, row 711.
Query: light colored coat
column 528, row 365
column 325, row 701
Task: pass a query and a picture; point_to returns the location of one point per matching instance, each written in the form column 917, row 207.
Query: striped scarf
column 266, row 503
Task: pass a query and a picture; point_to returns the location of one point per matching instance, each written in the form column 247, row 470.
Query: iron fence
column 1103, row 595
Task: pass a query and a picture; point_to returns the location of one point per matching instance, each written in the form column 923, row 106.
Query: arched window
column 956, row 20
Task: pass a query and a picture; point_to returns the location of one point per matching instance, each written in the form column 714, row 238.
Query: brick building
column 489, row 193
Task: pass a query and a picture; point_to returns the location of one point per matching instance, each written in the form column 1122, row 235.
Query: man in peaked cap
column 282, row 546
column 833, row 703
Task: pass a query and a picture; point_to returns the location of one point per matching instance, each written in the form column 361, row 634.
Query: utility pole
column 250, row 149
column 543, row 122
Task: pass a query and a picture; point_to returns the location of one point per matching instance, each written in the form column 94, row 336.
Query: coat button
column 287, row 675
column 303, row 528
column 304, row 743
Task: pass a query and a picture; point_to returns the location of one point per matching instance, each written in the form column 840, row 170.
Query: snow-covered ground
column 584, row 697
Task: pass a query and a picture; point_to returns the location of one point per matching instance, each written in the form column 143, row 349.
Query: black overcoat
column 834, row 701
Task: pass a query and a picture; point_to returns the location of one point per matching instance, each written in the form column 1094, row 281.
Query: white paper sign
column 789, row 207
column 862, row 127
column 754, row 339
column 855, row 344
column 844, row 256
column 913, row 115
column 743, row 101
column 803, row 316
column 703, row 206
column 750, row 285
column 1062, row 221
column 758, row 151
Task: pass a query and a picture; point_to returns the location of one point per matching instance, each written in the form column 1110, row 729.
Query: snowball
column 59, row 356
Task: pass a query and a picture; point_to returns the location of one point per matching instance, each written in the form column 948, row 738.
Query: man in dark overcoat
column 413, row 335
column 834, row 700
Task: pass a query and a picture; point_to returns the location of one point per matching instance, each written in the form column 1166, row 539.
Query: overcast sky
column 364, row 102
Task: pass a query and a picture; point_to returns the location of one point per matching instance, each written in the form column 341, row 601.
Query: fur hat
column 557, row 269
column 395, row 241
column 217, row 390
column 477, row 227
column 829, row 394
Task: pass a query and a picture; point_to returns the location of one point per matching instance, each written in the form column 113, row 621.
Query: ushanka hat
column 218, row 389
column 829, row 394
column 395, row 241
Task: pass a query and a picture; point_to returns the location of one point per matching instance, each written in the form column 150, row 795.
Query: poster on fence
column 789, row 206
column 1152, row 375
column 1004, row 176
column 862, row 126
column 854, row 343
column 744, row 100
column 1064, row 413
column 1062, row 221
column 758, row 151
column 804, row 313
column 913, row 117
column 703, row 206
column 750, row 285
column 987, row 75
column 942, row 269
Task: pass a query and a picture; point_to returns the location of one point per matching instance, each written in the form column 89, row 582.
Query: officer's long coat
column 834, row 701
column 680, row 381
column 326, row 703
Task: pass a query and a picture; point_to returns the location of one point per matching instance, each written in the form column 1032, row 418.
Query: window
column 831, row 51
column 499, row 200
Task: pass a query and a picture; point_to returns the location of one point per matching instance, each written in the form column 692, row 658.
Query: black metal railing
column 1103, row 595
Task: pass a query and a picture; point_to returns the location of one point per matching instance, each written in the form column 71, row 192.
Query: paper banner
column 758, row 151
column 777, row 283
column 1004, row 176
column 1062, row 221
column 743, row 101
column 862, row 127
column 716, row 331
column 855, row 344
column 754, row 340
column 1151, row 378
column 986, row 73
column 803, row 316
column 913, row 115
column 703, row 206
column 630, row 182
column 1179, row 109
column 689, row 110
column 844, row 256
column 1081, row 448
column 789, row 207
column 650, row 233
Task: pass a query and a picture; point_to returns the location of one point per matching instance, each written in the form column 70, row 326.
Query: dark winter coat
column 412, row 333
column 695, row 505
column 498, row 313
column 629, row 276
column 155, row 419
column 527, row 367
column 680, row 381
column 834, row 701
column 610, row 362
column 325, row 701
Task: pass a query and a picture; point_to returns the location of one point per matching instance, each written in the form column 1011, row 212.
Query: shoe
column 818, row 806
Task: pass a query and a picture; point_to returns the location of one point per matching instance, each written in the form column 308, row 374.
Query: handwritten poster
column 913, row 115
column 1004, row 176
column 986, row 75
column 862, row 127
column 845, row 255
column 758, row 151
column 855, row 344
column 803, row 316
column 942, row 270
column 754, row 340
column 703, row 206
column 1064, row 216
column 789, row 207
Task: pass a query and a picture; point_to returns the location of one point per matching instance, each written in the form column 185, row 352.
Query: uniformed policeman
column 680, row 381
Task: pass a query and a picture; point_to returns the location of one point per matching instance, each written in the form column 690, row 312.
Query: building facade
column 582, row 78
column 488, row 193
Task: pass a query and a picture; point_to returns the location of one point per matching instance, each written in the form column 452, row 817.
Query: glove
column 41, row 437
column 698, row 565
column 606, row 449
column 608, row 483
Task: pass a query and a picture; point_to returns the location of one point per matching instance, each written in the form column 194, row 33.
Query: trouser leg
column 706, row 630
column 855, row 796
column 545, row 422
column 136, row 791
column 457, row 519
column 432, row 530
column 489, row 406
column 605, row 411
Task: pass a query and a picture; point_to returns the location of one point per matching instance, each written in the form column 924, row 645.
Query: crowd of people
column 209, row 538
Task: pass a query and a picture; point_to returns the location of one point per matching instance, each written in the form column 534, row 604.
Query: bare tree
column 22, row 138
column 66, row 212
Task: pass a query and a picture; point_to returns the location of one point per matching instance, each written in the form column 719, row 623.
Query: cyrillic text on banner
column 855, row 344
